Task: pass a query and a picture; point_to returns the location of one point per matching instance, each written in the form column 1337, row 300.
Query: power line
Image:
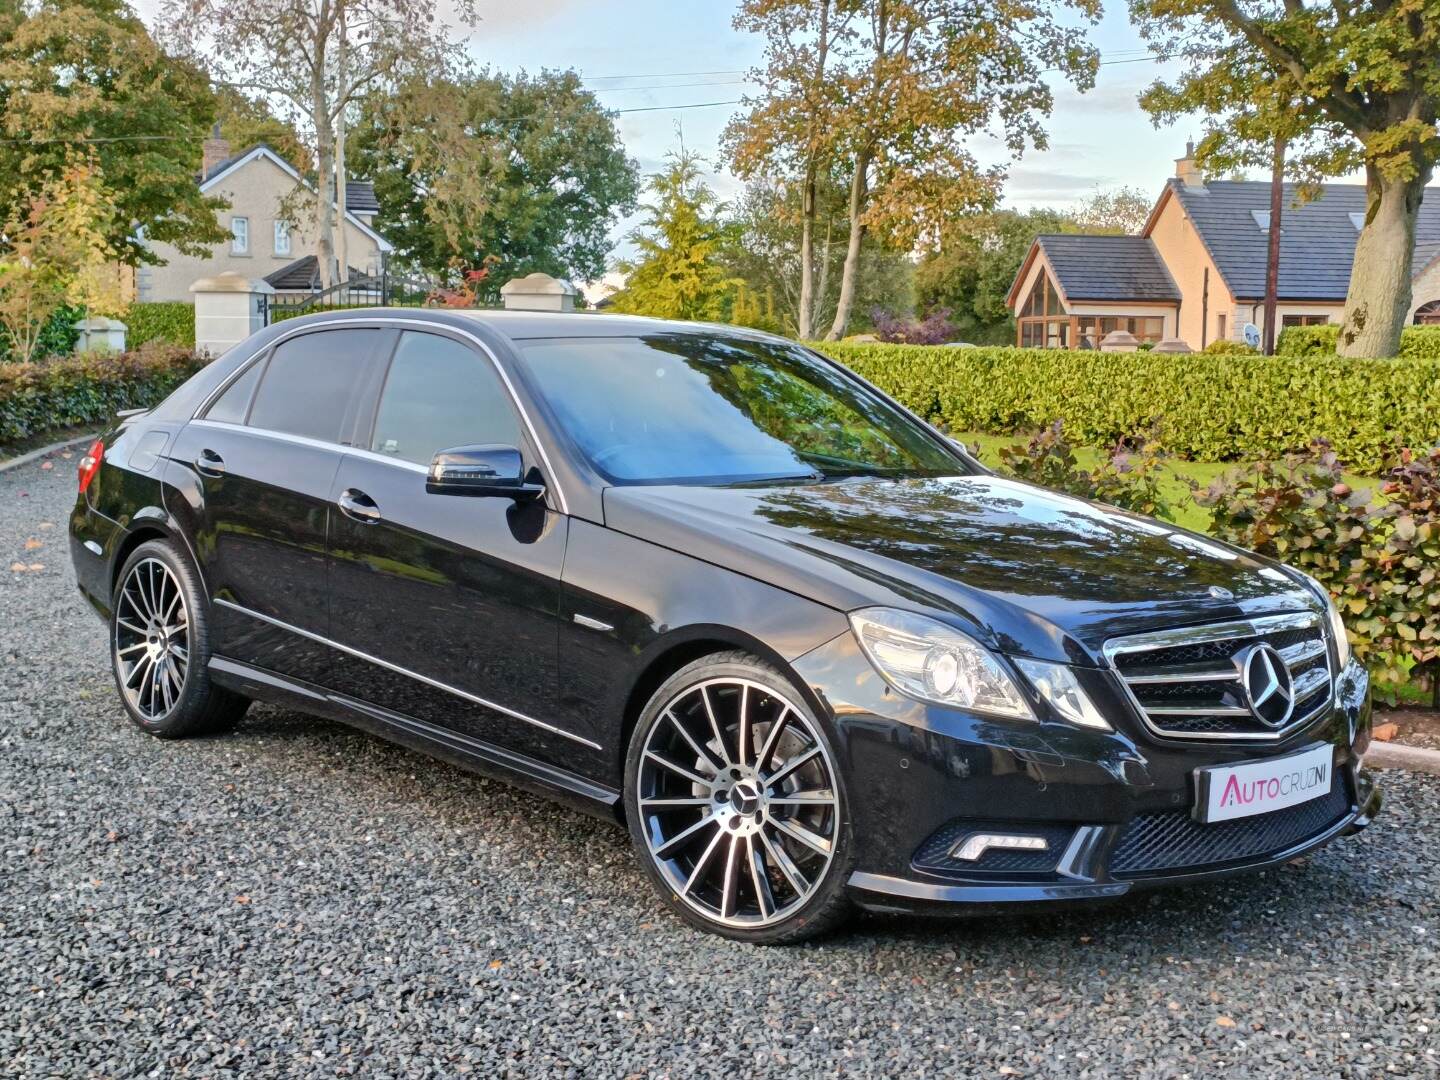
column 661, row 75
column 664, row 108
column 669, row 86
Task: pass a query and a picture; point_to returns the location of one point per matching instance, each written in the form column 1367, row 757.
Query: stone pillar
column 228, row 309
column 1120, row 341
column 99, row 334
column 1172, row 345
column 538, row 292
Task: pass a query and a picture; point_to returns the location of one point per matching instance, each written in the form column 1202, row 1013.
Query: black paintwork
column 449, row 623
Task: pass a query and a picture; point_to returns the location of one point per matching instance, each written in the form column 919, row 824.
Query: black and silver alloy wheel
column 160, row 646
column 737, row 804
column 152, row 639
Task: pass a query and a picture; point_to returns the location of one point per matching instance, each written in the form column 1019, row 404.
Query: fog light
column 977, row 845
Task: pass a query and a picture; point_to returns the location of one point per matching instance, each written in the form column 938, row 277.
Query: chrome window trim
column 1236, row 630
column 436, row 683
column 552, row 478
column 319, row 444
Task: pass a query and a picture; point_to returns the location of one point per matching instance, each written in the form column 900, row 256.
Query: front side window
column 282, row 238
column 708, row 409
column 239, row 236
column 308, row 384
column 440, row 394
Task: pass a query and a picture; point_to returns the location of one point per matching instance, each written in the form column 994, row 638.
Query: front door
column 262, row 464
column 444, row 607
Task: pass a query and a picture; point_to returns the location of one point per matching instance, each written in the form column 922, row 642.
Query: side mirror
column 497, row 471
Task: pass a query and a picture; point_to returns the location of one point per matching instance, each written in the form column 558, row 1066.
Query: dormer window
column 1262, row 220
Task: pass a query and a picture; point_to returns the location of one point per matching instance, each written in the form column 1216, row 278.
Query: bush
column 935, row 329
column 171, row 321
column 57, row 337
column 1129, row 480
column 1224, row 347
column 1209, row 408
column 87, row 389
column 1376, row 554
column 1416, row 342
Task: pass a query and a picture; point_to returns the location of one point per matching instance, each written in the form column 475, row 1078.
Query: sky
column 656, row 54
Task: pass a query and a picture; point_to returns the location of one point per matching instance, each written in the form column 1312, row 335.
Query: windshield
column 702, row 409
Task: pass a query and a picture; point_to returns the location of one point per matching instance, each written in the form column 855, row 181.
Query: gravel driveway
column 298, row 898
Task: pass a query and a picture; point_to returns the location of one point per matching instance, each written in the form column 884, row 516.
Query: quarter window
column 231, row 406
column 439, row 394
column 309, row 382
column 239, row 236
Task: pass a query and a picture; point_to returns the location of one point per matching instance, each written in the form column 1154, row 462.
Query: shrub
column 1376, row 554
column 935, row 329
column 1225, row 347
column 1129, row 480
column 1211, row 408
column 171, row 321
column 57, row 337
column 1416, row 342
column 87, row 389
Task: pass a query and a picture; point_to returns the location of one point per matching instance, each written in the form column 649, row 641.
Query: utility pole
column 1272, row 261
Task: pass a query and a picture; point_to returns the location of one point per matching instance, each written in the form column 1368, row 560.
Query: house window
column 1304, row 320
column 1092, row 329
column 1043, row 322
column 239, row 236
column 282, row 237
column 1222, row 326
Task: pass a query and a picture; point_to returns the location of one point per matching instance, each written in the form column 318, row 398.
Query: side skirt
column 472, row 754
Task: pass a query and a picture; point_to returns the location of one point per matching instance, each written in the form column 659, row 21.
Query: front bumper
column 1114, row 807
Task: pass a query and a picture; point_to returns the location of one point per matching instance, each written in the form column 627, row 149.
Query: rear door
column 446, row 604
column 262, row 462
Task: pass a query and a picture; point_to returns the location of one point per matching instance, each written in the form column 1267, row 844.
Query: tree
column 528, row 170
column 54, row 253
column 85, row 74
column 1347, row 84
column 679, row 273
column 971, row 271
column 244, row 122
column 768, row 222
column 910, row 80
column 790, row 123
column 313, row 60
column 1122, row 210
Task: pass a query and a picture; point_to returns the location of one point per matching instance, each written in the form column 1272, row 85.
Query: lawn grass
column 1175, row 486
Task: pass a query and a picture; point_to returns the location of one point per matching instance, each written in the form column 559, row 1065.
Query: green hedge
column 1416, row 342
column 171, row 321
column 1209, row 408
column 87, row 389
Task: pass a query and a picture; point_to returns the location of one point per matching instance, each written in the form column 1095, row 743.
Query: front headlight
column 1062, row 692
column 1332, row 614
column 926, row 659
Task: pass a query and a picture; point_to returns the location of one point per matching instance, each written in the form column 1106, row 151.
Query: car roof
column 519, row 325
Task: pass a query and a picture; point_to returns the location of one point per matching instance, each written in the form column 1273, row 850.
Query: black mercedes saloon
column 708, row 583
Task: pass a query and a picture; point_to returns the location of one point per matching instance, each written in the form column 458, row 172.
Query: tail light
column 90, row 463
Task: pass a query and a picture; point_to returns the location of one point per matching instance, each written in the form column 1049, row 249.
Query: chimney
column 1185, row 169
column 214, row 152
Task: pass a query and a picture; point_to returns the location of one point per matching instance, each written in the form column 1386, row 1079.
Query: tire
column 767, row 858
column 160, row 647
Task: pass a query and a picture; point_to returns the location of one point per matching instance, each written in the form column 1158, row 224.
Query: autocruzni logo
column 1270, row 788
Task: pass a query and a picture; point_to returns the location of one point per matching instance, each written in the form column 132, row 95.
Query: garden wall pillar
column 228, row 309
column 99, row 334
column 538, row 292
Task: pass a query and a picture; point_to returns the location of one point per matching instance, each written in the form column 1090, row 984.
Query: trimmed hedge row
column 88, row 389
column 1416, row 342
column 171, row 321
column 1209, row 408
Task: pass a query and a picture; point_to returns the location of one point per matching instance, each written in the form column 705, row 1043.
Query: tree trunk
column 342, row 246
column 807, row 255
column 852, row 249
column 1272, row 252
column 325, row 179
column 1380, row 293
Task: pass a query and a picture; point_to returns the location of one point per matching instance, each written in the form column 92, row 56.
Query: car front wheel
column 735, row 803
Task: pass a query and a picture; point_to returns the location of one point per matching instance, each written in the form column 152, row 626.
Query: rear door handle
column 356, row 504
column 210, row 463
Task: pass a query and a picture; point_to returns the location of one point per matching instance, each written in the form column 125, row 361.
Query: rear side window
column 309, row 383
column 231, row 406
column 440, row 394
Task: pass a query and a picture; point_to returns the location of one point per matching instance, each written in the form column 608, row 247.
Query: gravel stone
column 297, row 898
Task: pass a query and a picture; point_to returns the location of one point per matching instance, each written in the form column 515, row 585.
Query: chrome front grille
column 1188, row 684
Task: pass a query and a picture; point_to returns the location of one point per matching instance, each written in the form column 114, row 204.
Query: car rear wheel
column 735, row 803
column 159, row 647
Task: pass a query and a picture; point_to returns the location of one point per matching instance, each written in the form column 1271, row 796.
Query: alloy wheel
column 152, row 639
column 740, row 809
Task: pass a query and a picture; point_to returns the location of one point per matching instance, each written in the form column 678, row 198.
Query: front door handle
column 356, row 504
column 209, row 463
